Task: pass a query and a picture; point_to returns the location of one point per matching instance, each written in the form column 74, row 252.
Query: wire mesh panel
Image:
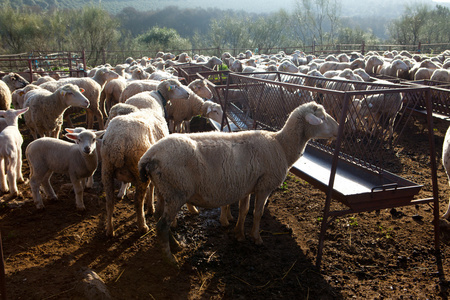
column 372, row 117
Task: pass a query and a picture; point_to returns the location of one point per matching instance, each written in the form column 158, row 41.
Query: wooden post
column 363, row 46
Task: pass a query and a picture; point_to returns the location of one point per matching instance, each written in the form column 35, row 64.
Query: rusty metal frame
column 328, row 215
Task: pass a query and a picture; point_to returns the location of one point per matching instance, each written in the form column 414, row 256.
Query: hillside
column 350, row 8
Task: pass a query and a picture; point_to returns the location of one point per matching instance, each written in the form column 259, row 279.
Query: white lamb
column 48, row 155
column 47, row 109
column 11, row 152
column 217, row 169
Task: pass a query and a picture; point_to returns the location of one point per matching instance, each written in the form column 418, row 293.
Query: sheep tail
column 146, row 169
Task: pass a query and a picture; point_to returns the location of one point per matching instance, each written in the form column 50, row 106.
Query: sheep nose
column 87, row 149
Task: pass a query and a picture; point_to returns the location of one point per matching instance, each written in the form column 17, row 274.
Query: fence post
column 363, row 46
column 419, row 48
column 314, row 48
column 83, row 52
column 30, row 66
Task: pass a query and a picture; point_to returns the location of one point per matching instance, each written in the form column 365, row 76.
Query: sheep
column 43, row 79
column 138, row 86
column 336, row 65
column 5, row 96
column 423, row 73
column 46, row 109
column 375, row 106
column 14, row 81
column 48, row 155
column 373, row 62
column 11, row 152
column 112, row 90
column 392, row 68
column 446, row 163
column 442, row 75
column 200, row 87
column 18, row 96
column 93, row 87
column 184, row 167
column 126, row 139
column 179, row 110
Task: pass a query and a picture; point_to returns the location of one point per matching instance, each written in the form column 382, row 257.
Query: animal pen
column 356, row 168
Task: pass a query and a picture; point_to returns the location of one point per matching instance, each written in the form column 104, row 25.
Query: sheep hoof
column 224, row 223
column 144, row 229
column 192, row 209
column 12, row 196
column 174, row 244
column 81, row 208
column 40, row 207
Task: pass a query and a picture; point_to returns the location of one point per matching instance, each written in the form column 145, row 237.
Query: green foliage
column 162, row 39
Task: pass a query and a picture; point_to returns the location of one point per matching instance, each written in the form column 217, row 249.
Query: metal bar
column 326, row 212
column 2, row 271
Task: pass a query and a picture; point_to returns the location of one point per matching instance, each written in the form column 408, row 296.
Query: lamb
column 184, row 167
column 48, row 155
column 46, row 109
column 200, row 87
column 93, row 87
column 126, row 139
column 11, row 152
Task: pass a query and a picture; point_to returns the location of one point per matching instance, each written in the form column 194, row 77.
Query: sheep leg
column 47, row 186
column 3, row 183
column 99, row 117
column 89, row 118
column 78, row 189
column 163, row 226
column 108, row 185
column 123, row 189
column 260, row 201
column 244, row 205
column 139, row 207
column 35, row 184
column 150, row 199
column 90, row 182
column 225, row 215
column 12, row 176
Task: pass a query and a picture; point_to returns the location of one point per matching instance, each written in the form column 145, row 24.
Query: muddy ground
column 370, row 255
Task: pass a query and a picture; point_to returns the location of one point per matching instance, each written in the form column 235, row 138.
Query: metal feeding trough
column 355, row 186
column 354, row 168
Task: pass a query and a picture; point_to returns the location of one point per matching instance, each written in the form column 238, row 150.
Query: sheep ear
column 208, row 110
column 99, row 133
column 70, row 130
column 21, row 111
column 313, row 120
column 72, row 136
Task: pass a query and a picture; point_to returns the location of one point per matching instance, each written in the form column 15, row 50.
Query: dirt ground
column 370, row 255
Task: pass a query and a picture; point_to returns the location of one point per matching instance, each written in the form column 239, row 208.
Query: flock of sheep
column 146, row 141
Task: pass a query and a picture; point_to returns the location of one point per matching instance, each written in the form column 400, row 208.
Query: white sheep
column 93, row 87
column 5, row 96
column 11, row 152
column 18, row 96
column 392, row 68
column 125, row 141
column 46, row 109
column 14, row 81
column 179, row 110
column 442, row 75
column 373, row 108
column 138, row 86
column 48, row 155
column 373, row 62
column 218, row 169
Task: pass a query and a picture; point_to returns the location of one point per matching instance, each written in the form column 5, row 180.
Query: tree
column 163, row 39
